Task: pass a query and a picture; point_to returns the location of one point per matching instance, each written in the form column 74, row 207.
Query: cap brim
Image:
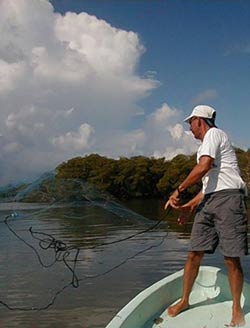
column 188, row 118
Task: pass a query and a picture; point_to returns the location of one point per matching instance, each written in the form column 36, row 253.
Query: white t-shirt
column 225, row 171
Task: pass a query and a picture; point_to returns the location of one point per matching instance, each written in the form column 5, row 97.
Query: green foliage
column 8, row 193
column 136, row 177
column 244, row 165
column 139, row 176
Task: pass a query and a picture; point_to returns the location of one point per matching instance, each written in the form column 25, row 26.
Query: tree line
column 140, row 176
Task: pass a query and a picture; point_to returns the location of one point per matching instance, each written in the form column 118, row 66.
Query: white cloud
column 123, row 143
column 10, row 76
column 76, row 141
column 69, row 86
column 164, row 114
column 160, row 135
column 106, row 49
column 165, row 136
column 205, row 96
column 176, row 131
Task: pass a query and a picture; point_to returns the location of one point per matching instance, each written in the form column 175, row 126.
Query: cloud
column 205, row 96
column 76, row 141
column 164, row 114
column 161, row 135
column 122, row 143
column 176, row 131
column 69, row 86
column 11, row 74
column 165, row 136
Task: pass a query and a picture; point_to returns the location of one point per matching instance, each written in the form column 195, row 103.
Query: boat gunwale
column 120, row 318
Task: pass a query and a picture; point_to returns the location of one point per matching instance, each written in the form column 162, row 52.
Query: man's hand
column 186, row 212
column 173, row 200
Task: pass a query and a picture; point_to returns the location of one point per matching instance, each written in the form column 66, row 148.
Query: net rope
column 57, row 193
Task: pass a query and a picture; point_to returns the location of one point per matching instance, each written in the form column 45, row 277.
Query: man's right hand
column 173, row 200
column 186, row 212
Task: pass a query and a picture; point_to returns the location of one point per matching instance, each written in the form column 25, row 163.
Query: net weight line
column 62, row 253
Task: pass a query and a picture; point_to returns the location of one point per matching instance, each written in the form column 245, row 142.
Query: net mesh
column 54, row 227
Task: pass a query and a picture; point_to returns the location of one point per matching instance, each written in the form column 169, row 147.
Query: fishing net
column 53, row 228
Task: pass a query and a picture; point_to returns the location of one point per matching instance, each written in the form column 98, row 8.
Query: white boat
column 210, row 303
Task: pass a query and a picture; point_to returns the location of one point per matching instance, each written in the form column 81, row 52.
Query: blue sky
column 198, row 49
column 117, row 78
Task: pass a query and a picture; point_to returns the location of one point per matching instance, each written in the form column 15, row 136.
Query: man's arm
column 188, row 209
column 197, row 173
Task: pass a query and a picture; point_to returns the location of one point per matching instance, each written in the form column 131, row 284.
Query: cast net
column 62, row 233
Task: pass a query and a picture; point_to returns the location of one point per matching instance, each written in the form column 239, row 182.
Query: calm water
column 109, row 274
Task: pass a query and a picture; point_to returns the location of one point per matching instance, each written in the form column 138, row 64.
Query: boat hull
column 210, row 303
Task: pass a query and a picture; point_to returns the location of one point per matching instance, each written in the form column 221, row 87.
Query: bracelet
column 179, row 191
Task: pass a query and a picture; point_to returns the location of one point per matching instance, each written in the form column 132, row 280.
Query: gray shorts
column 221, row 221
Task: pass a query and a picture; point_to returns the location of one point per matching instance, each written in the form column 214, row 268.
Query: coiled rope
column 63, row 252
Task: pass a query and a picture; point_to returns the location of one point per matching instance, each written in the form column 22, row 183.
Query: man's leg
column 235, row 277
column 191, row 270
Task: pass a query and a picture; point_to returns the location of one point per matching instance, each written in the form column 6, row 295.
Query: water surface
column 109, row 273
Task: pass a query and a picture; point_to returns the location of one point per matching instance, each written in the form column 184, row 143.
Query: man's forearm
column 194, row 202
column 198, row 172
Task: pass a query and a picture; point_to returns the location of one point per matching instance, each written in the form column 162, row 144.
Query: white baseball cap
column 202, row 111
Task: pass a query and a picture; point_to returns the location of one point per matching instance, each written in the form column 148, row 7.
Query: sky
column 117, row 78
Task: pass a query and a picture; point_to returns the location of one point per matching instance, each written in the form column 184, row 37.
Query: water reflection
column 109, row 274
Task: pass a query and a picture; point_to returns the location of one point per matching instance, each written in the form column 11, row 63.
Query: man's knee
column 195, row 257
column 232, row 262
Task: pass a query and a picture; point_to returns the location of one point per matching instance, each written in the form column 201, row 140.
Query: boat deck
column 209, row 314
column 210, row 303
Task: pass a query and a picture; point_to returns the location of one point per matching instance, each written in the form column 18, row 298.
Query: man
column 220, row 218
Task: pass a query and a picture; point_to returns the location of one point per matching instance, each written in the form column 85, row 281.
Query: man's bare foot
column 238, row 319
column 233, row 324
column 177, row 308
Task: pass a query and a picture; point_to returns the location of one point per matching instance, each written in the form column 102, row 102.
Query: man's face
column 194, row 123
